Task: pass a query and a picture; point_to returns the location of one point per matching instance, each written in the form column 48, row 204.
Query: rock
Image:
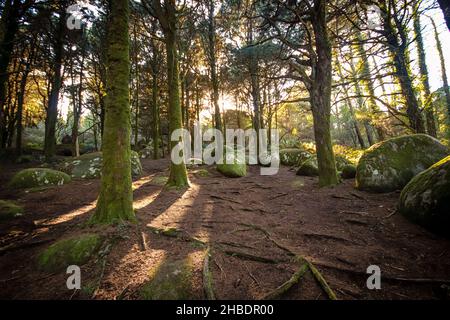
column 170, row 281
column 147, row 152
column 293, row 157
column 426, row 198
column 38, row 177
column 341, row 162
column 9, row 210
column 64, row 150
column 24, row 159
column 348, row 172
column 89, row 166
column 238, row 167
column 389, row 165
column 73, row 251
column 309, row 168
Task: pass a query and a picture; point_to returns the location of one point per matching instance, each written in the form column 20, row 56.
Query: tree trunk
column 52, row 108
column 9, row 27
column 443, row 71
column 213, row 66
column 155, row 115
column 426, row 97
column 320, row 96
column 367, row 81
column 402, row 70
column 115, row 202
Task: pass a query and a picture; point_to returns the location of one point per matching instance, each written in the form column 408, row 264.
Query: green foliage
column 38, row 177
column 9, row 210
column 73, row 251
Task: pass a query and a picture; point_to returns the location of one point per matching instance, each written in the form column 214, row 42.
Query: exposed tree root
column 278, row 292
column 23, row 245
column 207, row 277
column 321, row 280
column 251, row 257
column 176, row 233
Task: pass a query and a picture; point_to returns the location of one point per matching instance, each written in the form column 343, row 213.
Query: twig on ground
column 207, row 278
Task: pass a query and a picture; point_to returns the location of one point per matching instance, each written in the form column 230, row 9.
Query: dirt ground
column 340, row 230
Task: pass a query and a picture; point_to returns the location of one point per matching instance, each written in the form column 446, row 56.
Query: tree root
column 321, row 280
column 251, row 257
column 278, row 292
column 176, row 233
column 208, row 286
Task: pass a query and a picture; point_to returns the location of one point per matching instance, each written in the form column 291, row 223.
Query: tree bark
column 320, row 96
column 426, row 96
column 115, row 202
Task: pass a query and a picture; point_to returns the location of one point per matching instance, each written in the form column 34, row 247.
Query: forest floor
column 340, row 230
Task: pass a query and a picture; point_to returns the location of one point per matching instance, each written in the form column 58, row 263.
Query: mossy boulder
column 348, row 172
column 293, row 157
column 9, row 210
column 237, row 168
column 89, row 166
column 73, row 251
column 170, row 281
column 309, row 168
column 148, row 152
column 426, row 198
column 341, row 162
column 38, row 177
column 389, row 165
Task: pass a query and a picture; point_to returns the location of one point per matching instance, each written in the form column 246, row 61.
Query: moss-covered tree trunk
column 426, row 92
column 320, row 96
column 115, row 202
column 167, row 16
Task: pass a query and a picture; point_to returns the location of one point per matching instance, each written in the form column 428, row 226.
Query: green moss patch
column 391, row 164
column 308, row 168
column 72, row 251
column 236, row 169
column 38, row 177
column 170, row 281
column 425, row 199
column 9, row 210
column 160, row 180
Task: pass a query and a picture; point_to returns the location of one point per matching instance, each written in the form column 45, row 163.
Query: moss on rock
column 293, row 157
column 9, row 210
column 425, row 199
column 348, row 172
column 237, row 168
column 309, row 168
column 389, row 165
column 73, row 251
column 171, row 281
column 89, row 166
column 38, row 177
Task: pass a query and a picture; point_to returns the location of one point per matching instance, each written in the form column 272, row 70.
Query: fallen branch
column 175, row 233
column 278, row 292
column 207, row 278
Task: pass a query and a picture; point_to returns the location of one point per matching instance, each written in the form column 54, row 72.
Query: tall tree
column 52, row 108
column 115, row 202
column 443, row 69
column 424, row 79
column 167, row 17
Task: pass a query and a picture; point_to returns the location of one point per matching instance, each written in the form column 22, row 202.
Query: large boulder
column 38, row 177
column 389, row 165
column 89, row 166
column 426, row 198
column 294, row 157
